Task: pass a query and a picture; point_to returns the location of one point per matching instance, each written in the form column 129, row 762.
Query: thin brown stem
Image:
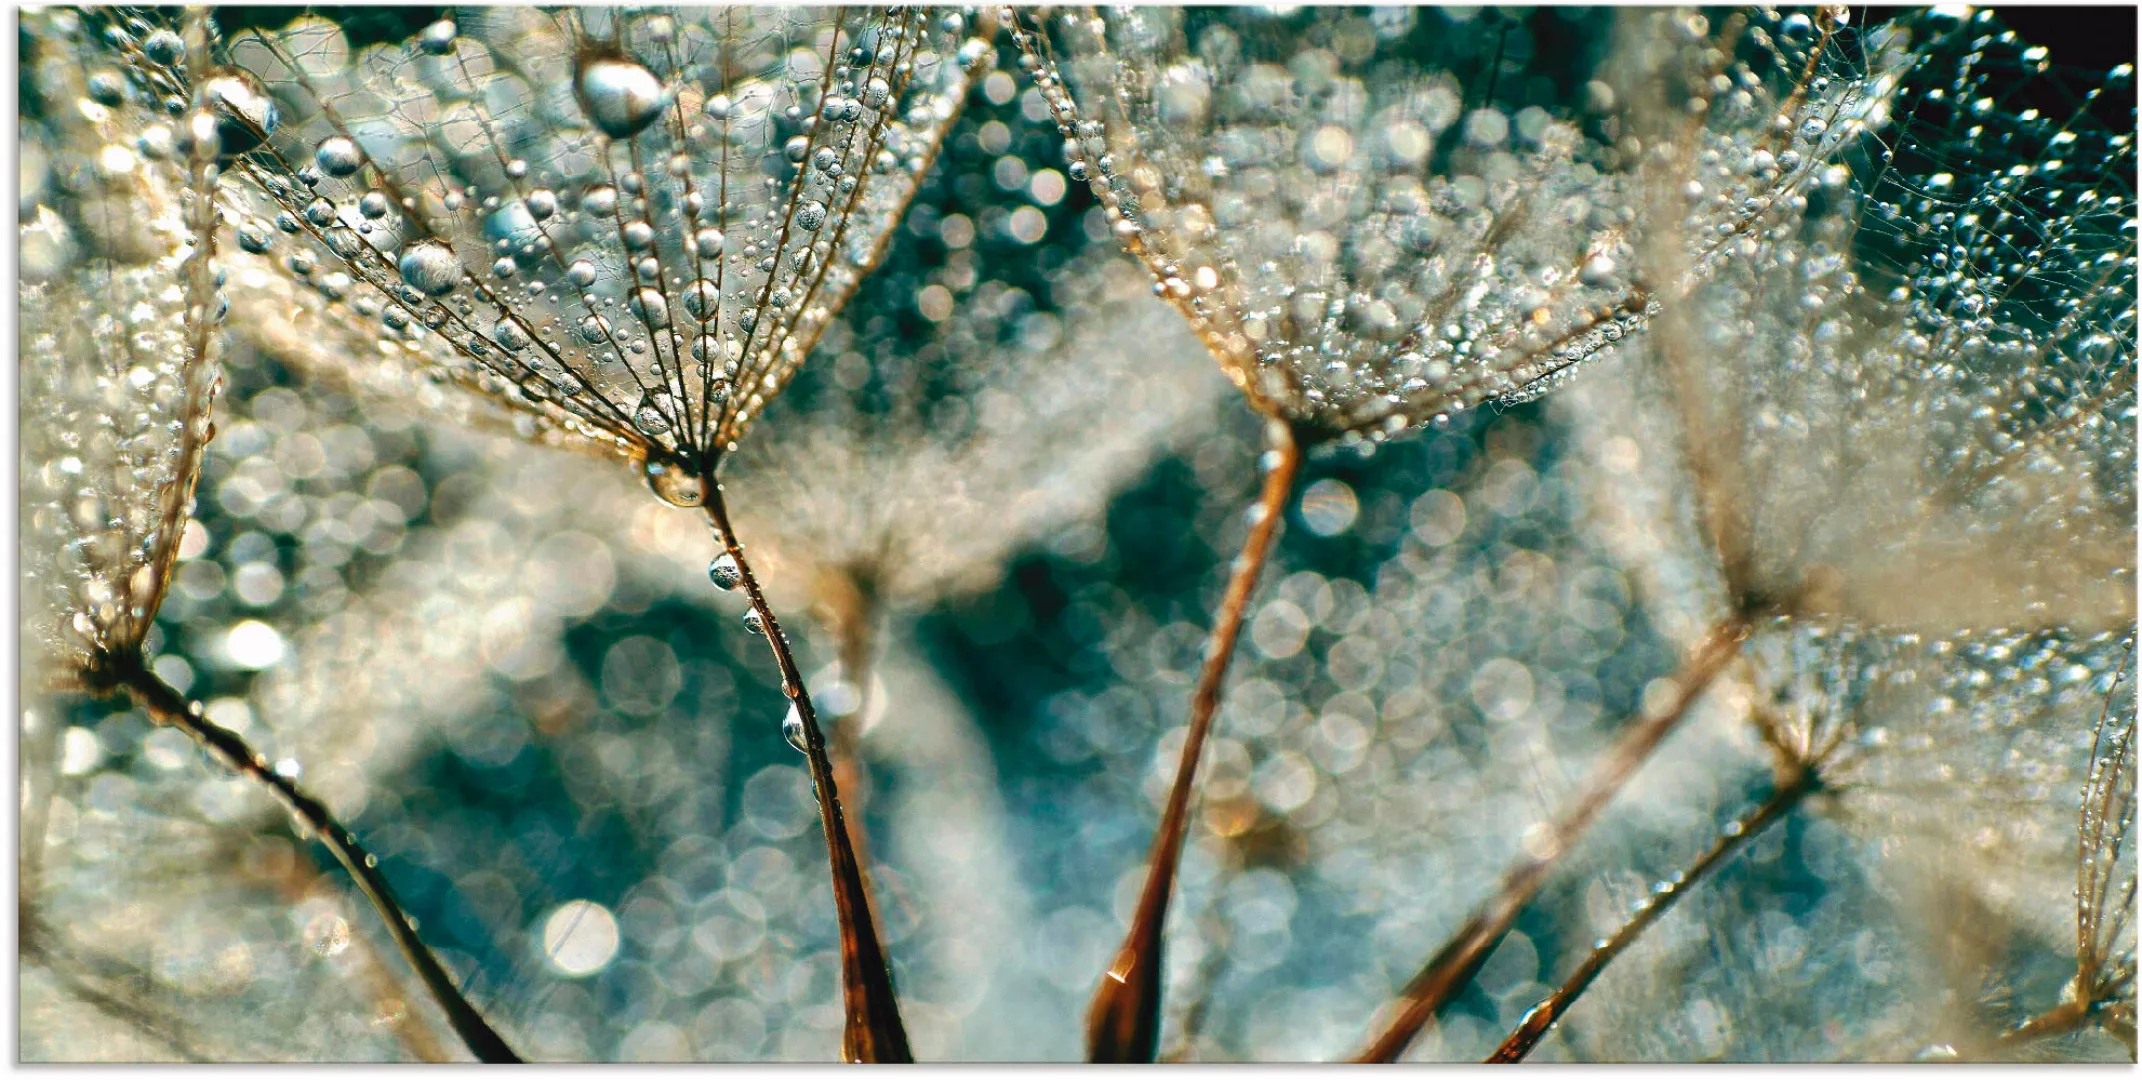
column 847, row 608
column 1663, row 896
column 874, row 1032
column 1123, row 1023
column 2059, row 1020
column 167, row 706
column 1454, row 965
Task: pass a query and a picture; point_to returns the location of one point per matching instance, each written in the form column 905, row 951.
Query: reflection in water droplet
column 431, row 268
column 621, row 97
column 673, row 485
column 338, row 156
column 792, row 730
column 724, row 572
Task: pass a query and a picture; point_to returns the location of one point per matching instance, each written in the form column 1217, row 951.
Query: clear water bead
column 338, row 156
column 673, row 485
column 438, row 38
column 620, row 96
column 430, row 268
column 724, row 572
column 792, row 730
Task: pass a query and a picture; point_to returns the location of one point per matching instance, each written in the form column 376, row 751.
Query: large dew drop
column 431, row 268
column 724, row 572
column 792, row 730
column 621, row 97
column 651, row 418
column 338, row 156
column 673, row 485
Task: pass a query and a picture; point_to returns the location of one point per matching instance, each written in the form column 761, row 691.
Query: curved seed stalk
column 1455, row 964
column 167, row 706
column 2103, row 991
column 1732, row 838
column 874, row 1032
column 1123, row 1022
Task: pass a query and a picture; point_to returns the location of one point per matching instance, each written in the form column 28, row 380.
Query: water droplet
column 431, row 268
column 338, row 156
column 254, row 236
column 875, row 92
column 509, row 335
column 650, row 418
column 754, row 623
column 373, row 205
column 701, row 300
column 724, row 572
column 601, row 202
column 651, row 307
column 164, row 46
column 542, row 203
column 328, row 934
column 107, row 88
column 811, row 216
column 438, row 38
column 792, row 730
column 621, row 97
column 673, row 485
column 581, row 274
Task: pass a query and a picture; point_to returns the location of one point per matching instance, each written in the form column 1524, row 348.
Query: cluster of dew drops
column 621, row 98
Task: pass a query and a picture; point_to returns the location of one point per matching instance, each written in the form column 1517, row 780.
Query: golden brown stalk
column 2104, row 898
column 847, row 608
column 1455, row 964
column 1123, row 1023
column 1732, row 838
column 874, row 1032
column 167, row 706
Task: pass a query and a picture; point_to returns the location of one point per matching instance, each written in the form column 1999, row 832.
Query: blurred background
column 506, row 669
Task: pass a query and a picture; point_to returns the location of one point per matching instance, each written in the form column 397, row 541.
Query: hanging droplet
column 107, row 88
column 650, row 418
column 651, row 307
column 164, row 46
column 338, row 156
column 509, row 335
column 792, row 730
column 438, row 38
column 701, row 300
column 431, row 268
column 754, row 623
column 673, row 485
column 724, row 572
column 620, row 96
column 255, row 237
